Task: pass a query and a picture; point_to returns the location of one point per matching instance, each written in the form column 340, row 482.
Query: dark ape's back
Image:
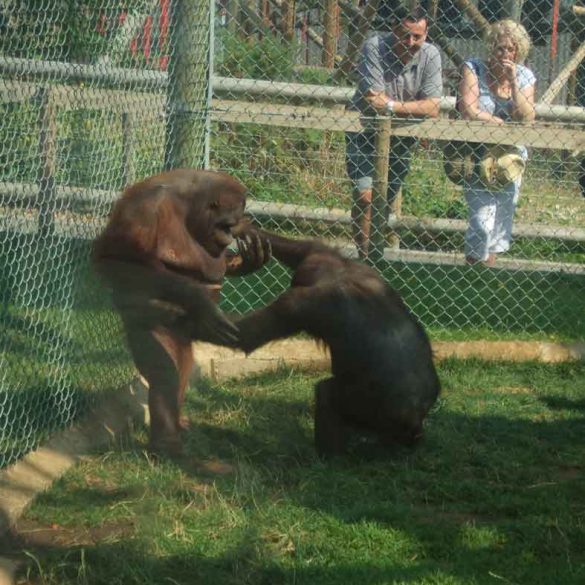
column 381, row 356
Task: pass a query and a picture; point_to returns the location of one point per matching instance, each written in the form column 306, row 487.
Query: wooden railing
column 556, row 127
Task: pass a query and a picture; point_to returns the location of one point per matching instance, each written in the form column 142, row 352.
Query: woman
column 497, row 90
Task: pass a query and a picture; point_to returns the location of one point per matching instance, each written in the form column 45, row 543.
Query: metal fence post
column 47, row 160
column 382, row 127
column 189, row 77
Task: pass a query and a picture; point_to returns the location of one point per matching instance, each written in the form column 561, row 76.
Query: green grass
column 494, row 494
column 55, row 365
column 457, row 302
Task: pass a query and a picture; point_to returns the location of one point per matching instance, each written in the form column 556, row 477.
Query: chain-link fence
column 91, row 101
column 97, row 94
column 285, row 129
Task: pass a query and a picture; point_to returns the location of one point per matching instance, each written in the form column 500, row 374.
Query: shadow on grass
column 125, row 562
column 562, row 403
column 282, row 424
column 18, row 331
column 493, row 493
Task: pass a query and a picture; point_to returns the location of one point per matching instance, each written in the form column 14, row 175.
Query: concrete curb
column 35, row 472
column 7, row 571
column 219, row 363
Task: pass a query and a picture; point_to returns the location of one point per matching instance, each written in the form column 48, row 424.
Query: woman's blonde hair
column 512, row 30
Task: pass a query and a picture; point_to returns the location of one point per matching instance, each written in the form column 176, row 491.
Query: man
column 399, row 74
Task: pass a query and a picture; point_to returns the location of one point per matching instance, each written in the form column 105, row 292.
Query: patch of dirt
column 194, row 487
column 514, row 390
column 208, row 468
column 29, row 534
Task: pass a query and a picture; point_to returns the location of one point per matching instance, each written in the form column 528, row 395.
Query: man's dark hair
column 391, row 13
column 414, row 15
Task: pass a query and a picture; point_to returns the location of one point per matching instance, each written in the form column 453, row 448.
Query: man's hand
column 378, row 100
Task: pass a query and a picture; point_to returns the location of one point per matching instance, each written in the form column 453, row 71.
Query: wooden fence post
column 330, row 33
column 513, row 9
column 47, row 159
column 288, row 16
column 473, row 13
column 382, row 126
column 357, row 38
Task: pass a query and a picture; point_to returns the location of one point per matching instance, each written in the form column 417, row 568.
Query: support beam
column 571, row 66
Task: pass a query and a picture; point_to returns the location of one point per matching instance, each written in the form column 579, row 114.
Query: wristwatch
column 390, row 107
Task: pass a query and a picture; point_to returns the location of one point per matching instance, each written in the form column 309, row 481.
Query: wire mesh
column 94, row 95
column 98, row 94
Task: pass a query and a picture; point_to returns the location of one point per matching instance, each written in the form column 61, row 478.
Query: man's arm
column 429, row 95
column 423, row 108
column 370, row 72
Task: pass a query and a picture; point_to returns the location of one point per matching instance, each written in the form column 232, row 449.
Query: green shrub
column 267, row 58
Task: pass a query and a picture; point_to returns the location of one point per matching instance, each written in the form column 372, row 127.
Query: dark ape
column 384, row 380
column 164, row 254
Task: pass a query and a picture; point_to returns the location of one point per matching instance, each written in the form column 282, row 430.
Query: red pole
column 147, row 38
column 164, row 33
column 554, row 39
column 305, row 36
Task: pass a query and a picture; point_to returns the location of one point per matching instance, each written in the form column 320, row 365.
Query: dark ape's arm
column 286, row 316
column 292, row 252
column 261, row 327
column 253, row 252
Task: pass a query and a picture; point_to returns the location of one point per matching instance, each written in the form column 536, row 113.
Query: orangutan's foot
column 168, row 447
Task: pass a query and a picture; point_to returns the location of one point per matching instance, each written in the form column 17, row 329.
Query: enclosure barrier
column 551, row 131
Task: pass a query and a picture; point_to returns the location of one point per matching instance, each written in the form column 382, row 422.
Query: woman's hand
column 509, row 70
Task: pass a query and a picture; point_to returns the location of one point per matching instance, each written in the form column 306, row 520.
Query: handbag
column 459, row 160
column 501, row 165
column 494, row 165
column 460, row 157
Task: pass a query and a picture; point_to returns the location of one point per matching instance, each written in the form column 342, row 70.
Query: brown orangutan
column 164, row 253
